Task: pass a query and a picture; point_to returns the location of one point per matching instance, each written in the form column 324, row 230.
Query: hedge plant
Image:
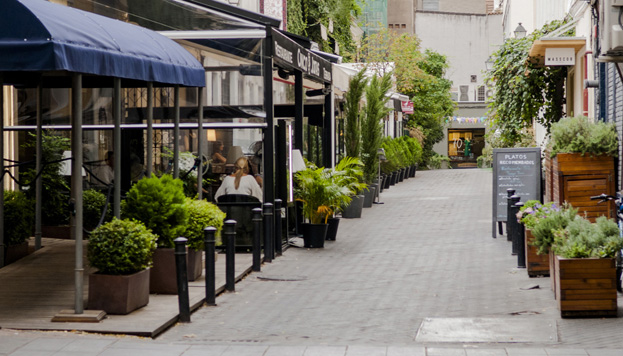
column 121, row 247
column 579, row 135
column 160, row 204
column 93, row 203
column 202, row 214
column 583, row 239
column 19, row 216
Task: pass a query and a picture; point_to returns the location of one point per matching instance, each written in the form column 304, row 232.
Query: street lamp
column 489, row 64
column 520, row 31
column 380, row 152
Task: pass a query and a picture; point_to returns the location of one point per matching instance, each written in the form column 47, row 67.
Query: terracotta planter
column 314, row 235
column 586, row 287
column 536, row 265
column 15, row 252
column 163, row 277
column 118, row 294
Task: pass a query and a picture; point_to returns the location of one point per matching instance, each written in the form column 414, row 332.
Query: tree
column 356, row 87
column 371, row 126
column 525, row 90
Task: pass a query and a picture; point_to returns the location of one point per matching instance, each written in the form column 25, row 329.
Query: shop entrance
column 465, row 146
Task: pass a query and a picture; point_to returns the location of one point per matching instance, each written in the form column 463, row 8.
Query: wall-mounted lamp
column 283, row 74
column 489, row 64
column 520, row 31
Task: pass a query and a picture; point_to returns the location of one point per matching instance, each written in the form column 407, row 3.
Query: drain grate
column 487, row 330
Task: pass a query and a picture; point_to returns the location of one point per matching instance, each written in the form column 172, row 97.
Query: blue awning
column 39, row 36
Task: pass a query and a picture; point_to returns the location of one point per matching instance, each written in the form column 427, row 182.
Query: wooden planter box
column 552, row 272
column 573, row 178
column 536, row 265
column 586, row 287
column 118, row 294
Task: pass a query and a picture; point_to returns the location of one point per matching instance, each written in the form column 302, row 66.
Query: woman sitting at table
column 240, row 182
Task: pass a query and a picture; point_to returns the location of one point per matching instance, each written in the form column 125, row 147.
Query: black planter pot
column 354, row 209
column 392, row 180
column 401, row 174
column 369, row 195
column 386, row 180
column 314, row 235
column 412, row 171
column 333, row 224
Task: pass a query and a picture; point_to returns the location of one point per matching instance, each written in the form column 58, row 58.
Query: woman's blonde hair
column 241, row 167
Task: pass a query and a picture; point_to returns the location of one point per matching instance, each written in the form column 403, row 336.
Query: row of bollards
column 229, row 237
column 515, row 229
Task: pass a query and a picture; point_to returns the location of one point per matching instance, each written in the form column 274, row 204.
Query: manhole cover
column 282, row 278
column 487, row 330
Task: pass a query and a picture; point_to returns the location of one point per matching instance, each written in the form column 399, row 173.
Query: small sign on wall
column 559, row 57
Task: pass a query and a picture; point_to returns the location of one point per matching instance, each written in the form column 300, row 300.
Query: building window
column 480, row 94
column 403, row 26
column 430, row 5
column 463, row 93
column 391, row 26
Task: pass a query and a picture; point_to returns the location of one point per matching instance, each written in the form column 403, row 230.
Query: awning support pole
column 38, row 156
column 327, row 131
column 117, row 148
column 2, row 246
column 176, row 133
column 200, row 140
column 76, row 186
column 150, row 128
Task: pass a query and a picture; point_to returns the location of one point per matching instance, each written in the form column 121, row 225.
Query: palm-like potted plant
column 347, row 177
column 121, row 251
column 372, row 131
column 201, row 214
column 161, row 205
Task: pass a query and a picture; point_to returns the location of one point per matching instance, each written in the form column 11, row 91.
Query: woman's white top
column 248, row 186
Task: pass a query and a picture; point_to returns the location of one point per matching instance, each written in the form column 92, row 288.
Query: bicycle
column 618, row 202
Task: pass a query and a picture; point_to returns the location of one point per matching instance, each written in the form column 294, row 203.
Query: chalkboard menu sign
column 519, row 169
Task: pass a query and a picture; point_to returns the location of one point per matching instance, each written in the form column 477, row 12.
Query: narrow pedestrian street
column 416, row 275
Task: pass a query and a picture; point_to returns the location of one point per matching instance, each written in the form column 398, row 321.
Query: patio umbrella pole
column 176, row 133
column 38, row 179
column 2, row 169
column 76, row 185
column 200, row 140
column 150, row 128
column 117, row 148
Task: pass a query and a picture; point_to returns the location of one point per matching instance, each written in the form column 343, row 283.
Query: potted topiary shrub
column 161, row 205
column 581, row 153
column 19, row 216
column 201, row 214
column 585, row 267
column 122, row 251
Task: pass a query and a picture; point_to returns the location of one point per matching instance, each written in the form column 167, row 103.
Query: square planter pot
column 15, row 252
column 314, row 235
column 118, row 294
column 354, row 209
column 586, row 287
column 332, row 225
column 536, row 265
column 369, row 195
column 163, row 277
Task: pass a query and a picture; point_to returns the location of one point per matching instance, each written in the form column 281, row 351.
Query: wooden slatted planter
column 573, row 178
column 536, row 265
column 586, row 287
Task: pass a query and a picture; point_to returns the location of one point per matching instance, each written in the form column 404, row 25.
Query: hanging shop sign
column 292, row 55
column 519, row 169
column 559, row 57
column 407, row 107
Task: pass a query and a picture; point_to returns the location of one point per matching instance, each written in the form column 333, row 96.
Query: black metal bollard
column 230, row 255
column 521, row 247
column 509, row 193
column 268, row 232
column 257, row 239
column 278, row 243
column 182, row 279
column 512, row 228
column 209, row 241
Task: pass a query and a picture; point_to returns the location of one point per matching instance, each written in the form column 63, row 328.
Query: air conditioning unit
column 611, row 30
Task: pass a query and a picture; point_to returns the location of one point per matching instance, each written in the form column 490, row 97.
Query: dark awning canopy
column 39, row 36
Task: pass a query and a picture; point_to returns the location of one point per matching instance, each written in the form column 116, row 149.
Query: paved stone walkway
column 423, row 258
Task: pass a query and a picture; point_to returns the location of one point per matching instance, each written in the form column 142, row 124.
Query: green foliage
column 578, row 135
column 160, row 204
column 347, row 175
column 545, row 228
column 412, row 150
column 356, row 87
column 434, row 162
column 372, row 126
column 55, row 201
column 121, row 247
column 533, row 210
column 524, row 89
column 306, row 16
column 19, row 216
column 202, row 214
column 582, row 239
column 93, row 202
